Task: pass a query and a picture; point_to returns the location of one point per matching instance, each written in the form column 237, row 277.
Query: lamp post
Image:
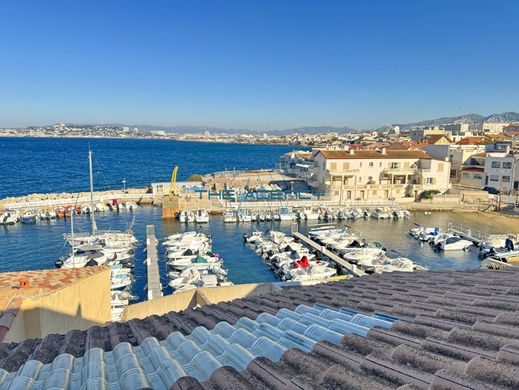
column 124, row 184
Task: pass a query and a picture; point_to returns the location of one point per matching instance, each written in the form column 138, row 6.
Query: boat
column 285, row 214
column 29, row 216
column 455, row 243
column 201, row 216
column 182, row 216
column 9, row 217
column 230, row 216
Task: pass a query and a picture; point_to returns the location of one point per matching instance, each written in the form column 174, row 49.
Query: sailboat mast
column 92, row 217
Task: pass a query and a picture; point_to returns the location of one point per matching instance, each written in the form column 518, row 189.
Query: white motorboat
column 9, row 218
column 182, row 216
column 285, row 214
column 230, row 216
column 311, row 214
column 244, row 216
column 201, row 216
column 455, row 243
column 189, row 276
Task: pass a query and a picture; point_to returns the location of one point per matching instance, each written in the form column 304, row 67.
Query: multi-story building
column 377, row 174
column 501, row 171
column 421, row 133
column 489, row 127
column 457, row 154
column 297, row 163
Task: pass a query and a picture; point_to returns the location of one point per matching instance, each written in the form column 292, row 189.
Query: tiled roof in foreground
column 455, row 329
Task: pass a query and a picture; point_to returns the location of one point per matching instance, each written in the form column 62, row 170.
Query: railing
column 314, row 203
column 71, row 201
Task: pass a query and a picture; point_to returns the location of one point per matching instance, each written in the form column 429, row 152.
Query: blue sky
column 255, row 64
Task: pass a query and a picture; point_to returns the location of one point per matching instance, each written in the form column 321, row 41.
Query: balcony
column 400, row 171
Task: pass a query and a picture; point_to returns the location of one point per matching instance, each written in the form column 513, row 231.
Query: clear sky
column 256, row 64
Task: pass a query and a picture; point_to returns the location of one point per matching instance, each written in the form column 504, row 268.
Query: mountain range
column 467, row 118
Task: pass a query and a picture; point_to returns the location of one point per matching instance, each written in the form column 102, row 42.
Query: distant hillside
column 312, row 130
column 468, row 118
column 503, row 117
column 471, row 119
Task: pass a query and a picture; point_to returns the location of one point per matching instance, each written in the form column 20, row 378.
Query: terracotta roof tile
column 40, row 283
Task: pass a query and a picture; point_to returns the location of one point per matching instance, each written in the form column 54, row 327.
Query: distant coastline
column 155, row 138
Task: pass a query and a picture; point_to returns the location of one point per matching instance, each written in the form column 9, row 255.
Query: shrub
column 428, row 194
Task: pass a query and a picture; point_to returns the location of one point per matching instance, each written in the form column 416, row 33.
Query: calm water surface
column 37, row 246
column 29, row 165
column 48, row 165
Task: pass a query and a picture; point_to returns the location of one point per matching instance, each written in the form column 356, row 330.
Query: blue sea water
column 49, row 165
column 56, row 165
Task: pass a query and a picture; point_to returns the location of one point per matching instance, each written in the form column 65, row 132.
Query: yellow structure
column 171, row 202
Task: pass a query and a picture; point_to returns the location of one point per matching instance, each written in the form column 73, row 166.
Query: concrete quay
column 51, row 201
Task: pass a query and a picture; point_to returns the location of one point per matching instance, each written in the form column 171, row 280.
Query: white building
column 489, row 127
column 501, row 171
column 458, row 155
column 380, row 174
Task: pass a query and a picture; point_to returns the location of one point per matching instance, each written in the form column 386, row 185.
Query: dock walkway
column 152, row 262
column 326, row 252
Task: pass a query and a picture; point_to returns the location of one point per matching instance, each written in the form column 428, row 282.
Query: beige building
column 380, row 174
column 421, row 133
column 489, row 127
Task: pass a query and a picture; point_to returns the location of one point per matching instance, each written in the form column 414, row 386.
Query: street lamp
column 124, row 184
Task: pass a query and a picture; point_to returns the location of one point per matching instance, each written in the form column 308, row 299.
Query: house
column 377, row 174
column 437, row 139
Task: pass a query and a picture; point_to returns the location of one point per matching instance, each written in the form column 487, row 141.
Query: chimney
column 383, row 151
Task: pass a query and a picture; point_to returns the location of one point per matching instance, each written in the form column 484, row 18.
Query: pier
column 326, row 252
column 476, row 236
column 152, row 262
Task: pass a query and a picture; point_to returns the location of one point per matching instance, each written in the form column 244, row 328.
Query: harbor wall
column 77, row 306
column 192, row 298
column 51, row 201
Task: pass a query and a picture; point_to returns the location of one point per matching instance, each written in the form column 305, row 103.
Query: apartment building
column 489, row 127
column 458, row 155
column 377, row 174
column 501, row 171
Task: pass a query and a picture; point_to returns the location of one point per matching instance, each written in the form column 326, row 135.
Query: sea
column 52, row 165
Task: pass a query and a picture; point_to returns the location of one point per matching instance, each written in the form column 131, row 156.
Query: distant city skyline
column 258, row 65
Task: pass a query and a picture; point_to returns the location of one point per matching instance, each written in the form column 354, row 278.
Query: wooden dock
column 328, row 253
column 152, row 262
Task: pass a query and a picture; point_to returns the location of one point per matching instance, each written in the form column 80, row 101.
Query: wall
column 76, row 307
column 192, row 298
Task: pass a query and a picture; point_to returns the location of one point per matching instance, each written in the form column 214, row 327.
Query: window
column 394, row 165
column 374, row 192
column 465, row 174
column 494, row 178
column 380, row 164
column 506, row 179
column 333, row 166
column 496, row 164
column 477, row 176
column 507, row 165
column 360, row 165
column 371, row 164
column 345, row 166
column 429, row 180
column 440, row 167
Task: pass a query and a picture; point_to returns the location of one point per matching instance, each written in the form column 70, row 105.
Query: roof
column 444, row 329
column 474, row 141
column 473, row 169
column 38, row 283
column 374, row 154
column 434, row 138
